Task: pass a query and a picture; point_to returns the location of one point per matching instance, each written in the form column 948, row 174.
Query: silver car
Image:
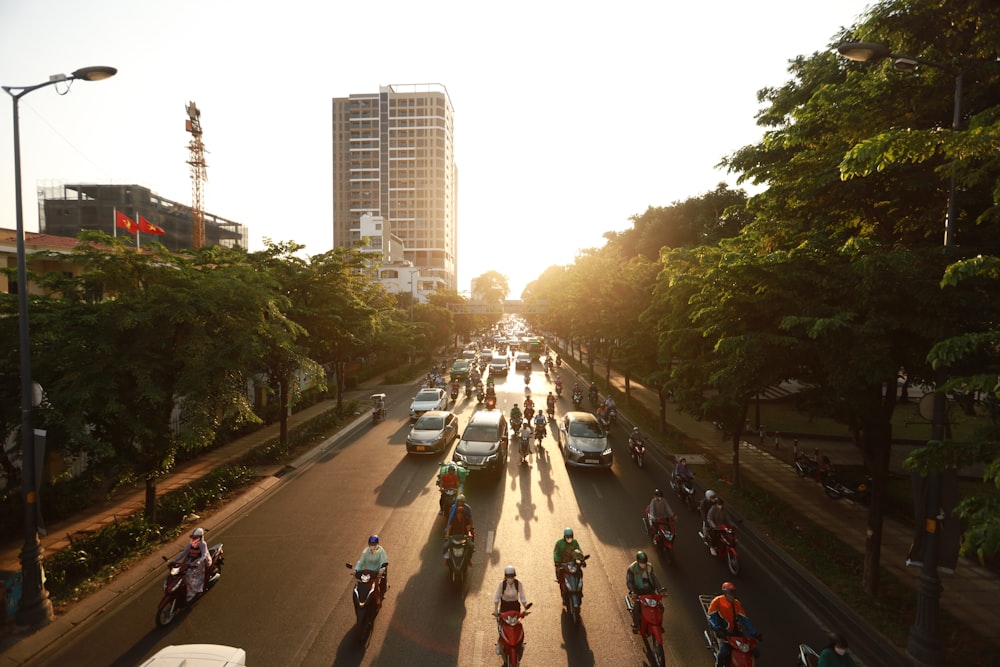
column 584, row 441
column 432, row 433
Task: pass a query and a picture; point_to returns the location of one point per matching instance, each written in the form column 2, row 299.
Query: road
column 285, row 595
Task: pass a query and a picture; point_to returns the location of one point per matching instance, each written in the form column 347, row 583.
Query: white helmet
column 509, row 571
column 709, row 494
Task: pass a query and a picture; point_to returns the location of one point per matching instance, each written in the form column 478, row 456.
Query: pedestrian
column 835, row 654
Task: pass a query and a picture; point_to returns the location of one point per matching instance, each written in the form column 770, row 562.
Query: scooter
column 551, row 410
column 524, row 448
column 367, row 599
column 727, row 547
column 529, row 412
column 577, row 399
column 662, row 533
column 805, row 466
column 593, row 397
column 612, row 415
column 651, row 623
column 456, row 557
column 836, row 489
column 685, row 491
column 571, row 584
column 539, row 437
column 742, row 647
column 510, row 640
column 175, row 586
column 491, row 402
column 559, row 388
column 807, row 657
column 515, row 424
column 637, row 449
column 447, row 499
column 454, row 392
column 480, row 396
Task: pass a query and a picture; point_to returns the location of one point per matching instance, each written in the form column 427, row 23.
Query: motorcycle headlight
column 511, row 620
column 650, row 602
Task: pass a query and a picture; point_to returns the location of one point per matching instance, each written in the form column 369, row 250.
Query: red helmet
column 728, row 586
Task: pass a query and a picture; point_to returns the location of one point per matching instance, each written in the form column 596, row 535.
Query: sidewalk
column 971, row 591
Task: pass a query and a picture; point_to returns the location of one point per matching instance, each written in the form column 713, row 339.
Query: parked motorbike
column 741, row 646
column 577, row 399
column 685, row 491
column 651, row 623
column 726, row 548
column 456, row 557
column 510, row 635
column 662, row 533
column 836, row 489
column 175, row 597
column 805, row 466
column 367, row 599
column 571, row 584
column 637, row 449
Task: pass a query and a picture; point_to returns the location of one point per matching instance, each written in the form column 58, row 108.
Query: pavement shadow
column 575, row 642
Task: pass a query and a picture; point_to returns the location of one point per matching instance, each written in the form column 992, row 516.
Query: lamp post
column 924, row 643
column 35, row 608
column 413, row 291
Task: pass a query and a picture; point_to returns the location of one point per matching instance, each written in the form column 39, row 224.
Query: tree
column 491, row 287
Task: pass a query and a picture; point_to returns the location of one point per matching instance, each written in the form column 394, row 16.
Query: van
column 484, row 443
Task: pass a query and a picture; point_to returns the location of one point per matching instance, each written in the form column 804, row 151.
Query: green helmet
column 641, row 557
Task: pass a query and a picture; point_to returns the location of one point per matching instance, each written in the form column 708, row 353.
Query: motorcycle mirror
column 349, row 566
column 528, row 606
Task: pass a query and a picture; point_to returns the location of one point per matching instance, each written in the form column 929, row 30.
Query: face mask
column 840, row 651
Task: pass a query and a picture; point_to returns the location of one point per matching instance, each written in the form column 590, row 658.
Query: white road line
column 477, row 648
column 489, row 541
column 600, row 496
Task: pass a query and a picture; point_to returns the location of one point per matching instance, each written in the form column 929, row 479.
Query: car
column 484, row 443
column 584, row 441
column 460, row 370
column 522, row 361
column 432, row 433
column 469, row 354
column 499, row 366
column 198, row 655
column 428, row 399
column 486, row 356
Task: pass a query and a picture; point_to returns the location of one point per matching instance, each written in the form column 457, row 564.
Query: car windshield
column 586, row 429
column 425, row 396
column 427, row 423
column 480, row 433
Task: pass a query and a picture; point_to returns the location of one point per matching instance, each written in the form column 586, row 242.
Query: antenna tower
column 199, row 174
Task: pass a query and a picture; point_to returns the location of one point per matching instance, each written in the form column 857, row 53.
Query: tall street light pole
column 924, row 643
column 34, row 608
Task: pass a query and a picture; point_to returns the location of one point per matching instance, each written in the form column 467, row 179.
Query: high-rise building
column 394, row 159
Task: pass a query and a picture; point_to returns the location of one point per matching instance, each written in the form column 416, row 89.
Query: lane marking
column 477, row 648
column 489, row 542
column 600, row 496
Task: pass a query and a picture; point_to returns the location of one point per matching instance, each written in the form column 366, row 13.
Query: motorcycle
column 727, row 547
column 456, row 557
column 593, row 397
column 651, row 623
column 529, row 412
column 807, row 657
column 524, row 448
column 662, row 532
column 551, row 410
column 571, row 584
column 367, row 599
column 558, row 361
column 805, row 466
column 577, row 399
column 742, row 647
column 468, row 388
column 378, row 408
column 510, row 640
column 612, row 415
column 454, row 392
column 491, row 401
column 447, row 499
column 837, row 489
column 480, row 396
column 637, row 449
column 515, row 423
column 527, row 378
column 559, row 388
column 685, row 491
column 175, row 597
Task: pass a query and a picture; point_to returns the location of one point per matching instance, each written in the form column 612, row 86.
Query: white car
column 428, row 399
column 198, row 655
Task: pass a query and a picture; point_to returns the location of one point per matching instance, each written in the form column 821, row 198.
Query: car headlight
column 575, row 450
column 607, row 451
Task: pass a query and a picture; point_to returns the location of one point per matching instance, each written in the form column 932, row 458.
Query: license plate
column 421, row 448
column 591, row 460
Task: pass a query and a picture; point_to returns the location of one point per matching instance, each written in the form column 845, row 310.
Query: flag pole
column 137, row 229
column 114, row 227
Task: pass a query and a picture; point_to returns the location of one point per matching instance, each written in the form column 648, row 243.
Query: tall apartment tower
column 394, row 158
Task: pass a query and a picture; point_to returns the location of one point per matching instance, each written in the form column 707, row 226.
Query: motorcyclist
column 682, row 473
column 559, row 384
column 715, row 519
column 640, row 578
column 460, row 523
column 706, row 504
column 563, row 552
column 726, row 616
column 510, row 593
column 659, row 510
column 529, row 404
column 550, row 402
column 378, row 406
column 198, row 560
column 374, row 558
column 634, row 438
column 448, row 480
column 835, row 654
column 540, row 420
column 610, row 405
column 592, row 392
column 525, row 435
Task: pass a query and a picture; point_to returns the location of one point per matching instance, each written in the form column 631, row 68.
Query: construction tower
column 199, row 175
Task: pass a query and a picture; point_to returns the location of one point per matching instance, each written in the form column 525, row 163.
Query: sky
column 570, row 117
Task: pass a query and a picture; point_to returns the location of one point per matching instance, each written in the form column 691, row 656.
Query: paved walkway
column 970, row 591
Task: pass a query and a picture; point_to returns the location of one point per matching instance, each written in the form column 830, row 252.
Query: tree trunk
column 661, row 393
column 736, row 460
column 283, row 411
column 877, row 449
column 150, row 509
column 628, row 386
column 340, row 386
column 607, row 373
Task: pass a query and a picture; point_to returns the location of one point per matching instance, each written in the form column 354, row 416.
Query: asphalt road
column 285, row 595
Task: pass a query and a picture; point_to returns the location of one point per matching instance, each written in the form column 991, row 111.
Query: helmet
column 635, row 429
column 641, row 557
column 658, row 493
column 461, row 498
column 728, row 586
column 451, row 467
column 198, row 532
column 373, row 540
column 568, row 533
column 509, row 571
column 709, row 494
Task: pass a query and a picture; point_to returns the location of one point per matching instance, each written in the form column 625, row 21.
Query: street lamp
column 924, row 642
column 35, row 608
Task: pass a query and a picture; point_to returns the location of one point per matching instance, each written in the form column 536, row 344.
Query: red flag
column 125, row 222
column 146, row 227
